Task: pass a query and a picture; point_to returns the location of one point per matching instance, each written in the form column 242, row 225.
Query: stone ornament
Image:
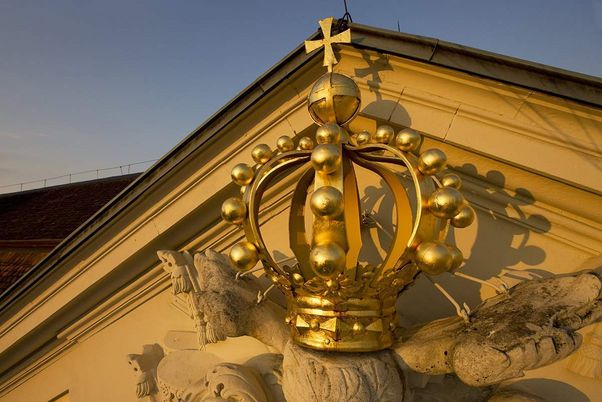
column 532, row 325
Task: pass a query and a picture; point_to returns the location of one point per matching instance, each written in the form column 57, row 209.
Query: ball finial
column 242, row 174
column 234, row 210
column 334, row 98
column 431, row 161
column 434, row 258
column 327, row 260
column 261, row 153
column 407, row 140
column 285, row 143
column 244, row 255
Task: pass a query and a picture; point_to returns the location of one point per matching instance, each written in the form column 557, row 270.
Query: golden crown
column 336, row 302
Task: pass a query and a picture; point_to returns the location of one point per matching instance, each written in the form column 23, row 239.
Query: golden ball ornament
column 445, row 202
column 431, row 161
column 363, row 138
column 327, row 202
column 234, row 210
column 457, row 257
column 451, row 180
column 334, row 98
column 306, row 143
column 285, row 143
column 327, row 260
column 244, row 256
column 314, row 324
column 329, row 133
column 384, row 134
column 298, row 279
column 434, row 258
column 465, row 217
column 407, row 140
column 261, row 153
column 326, row 158
column 242, row 174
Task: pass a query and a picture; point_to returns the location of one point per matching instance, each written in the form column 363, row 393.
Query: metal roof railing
column 75, row 177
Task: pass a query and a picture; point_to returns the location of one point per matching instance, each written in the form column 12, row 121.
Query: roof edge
column 568, row 84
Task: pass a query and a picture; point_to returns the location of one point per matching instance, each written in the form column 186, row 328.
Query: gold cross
column 329, row 57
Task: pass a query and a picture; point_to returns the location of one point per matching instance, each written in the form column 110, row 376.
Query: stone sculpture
column 531, row 325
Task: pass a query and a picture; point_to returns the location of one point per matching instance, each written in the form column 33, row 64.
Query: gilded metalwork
column 329, row 57
column 336, row 302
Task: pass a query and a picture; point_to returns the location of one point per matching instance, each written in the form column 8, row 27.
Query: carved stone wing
column 532, row 326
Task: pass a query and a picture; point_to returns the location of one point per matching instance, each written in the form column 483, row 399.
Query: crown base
column 356, row 325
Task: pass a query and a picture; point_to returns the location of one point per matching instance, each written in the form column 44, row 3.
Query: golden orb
column 363, row 138
column 463, row 218
column 445, row 202
column 326, row 158
column 384, row 134
column 451, row 180
column 434, row 258
column 327, row 260
column 329, row 133
column 306, row 143
column 244, row 255
column 431, row 161
column 314, row 324
column 407, row 140
column 234, row 210
column 285, row 143
column 327, row 202
column 457, row 257
column 242, row 174
column 261, row 153
column 334, row 98
column 298, row 279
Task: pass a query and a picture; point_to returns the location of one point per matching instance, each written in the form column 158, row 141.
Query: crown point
column 407, row 140
column 285, row 143
column 384, row 134
column 261, row 153
column 244, row 255
column 451, row 180
column 329, row 133
column 326, row 158
column 464, row 218
column 306, row 144
column 431, row 161
column 445, row 202
column 434, row 258
column 242, row 174
column 234, row 210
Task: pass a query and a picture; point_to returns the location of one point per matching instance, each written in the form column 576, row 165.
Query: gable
column 504, row 140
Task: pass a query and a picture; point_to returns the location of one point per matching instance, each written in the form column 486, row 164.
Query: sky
column 93, row 84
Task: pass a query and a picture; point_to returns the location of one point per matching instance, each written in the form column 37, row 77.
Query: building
column 524, row 138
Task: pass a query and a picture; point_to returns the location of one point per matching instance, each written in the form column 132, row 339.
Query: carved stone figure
column 530, row 326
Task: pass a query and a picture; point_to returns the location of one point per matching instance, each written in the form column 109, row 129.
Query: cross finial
column 329, row 57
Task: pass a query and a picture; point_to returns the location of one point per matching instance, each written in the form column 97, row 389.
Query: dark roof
column 55, row 212
column 33, row 222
